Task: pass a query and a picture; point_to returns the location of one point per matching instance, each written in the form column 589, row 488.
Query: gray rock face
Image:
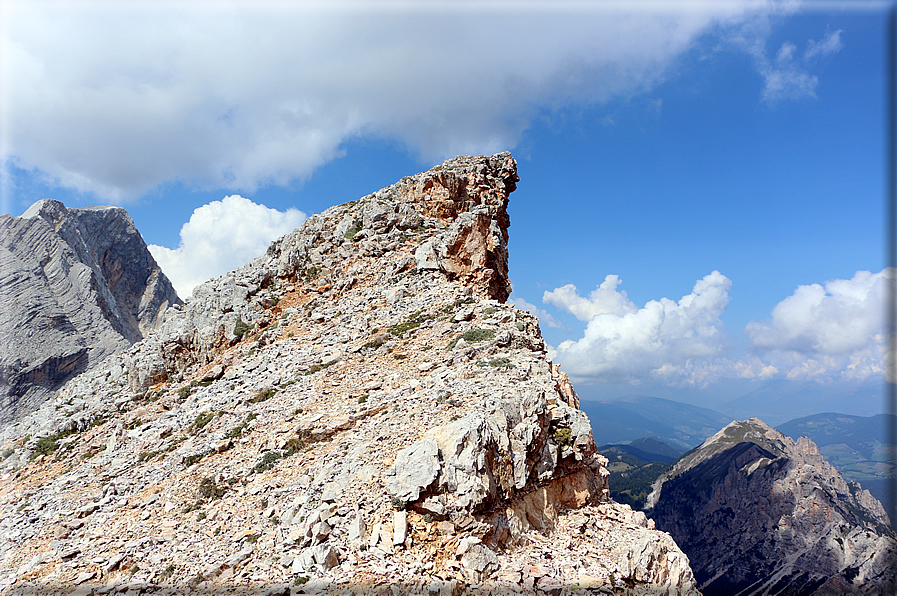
column 757, row 513
column 76, row 285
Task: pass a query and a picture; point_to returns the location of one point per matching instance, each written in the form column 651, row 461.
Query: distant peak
column 44, row 208
column 752, row 430
column 55, row 212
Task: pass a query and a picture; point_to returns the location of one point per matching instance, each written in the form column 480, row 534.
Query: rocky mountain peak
column 459, row 208
column 756, row 511
column 356, row 411
column 77, row 285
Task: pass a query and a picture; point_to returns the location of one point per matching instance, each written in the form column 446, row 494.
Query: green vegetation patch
column 146, row 456
column 241, row 328
column 477, row 335
column 562, row 436
column 269, row 459
column 210, row 490
column 413, row 322
column 632, row 486
column 376, row 342
column 303, row 440
column 243, row 428
column 192, row 459
column 496, row 363
column 319, row 367
column 202, row 419
column 472, row 336
column 262, row 395
column 49, row 444
column 183, row 392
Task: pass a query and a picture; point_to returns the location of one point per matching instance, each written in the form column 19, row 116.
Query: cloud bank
column 827, row 333
column 117, row 98
column 222, row 236
column 624, row 343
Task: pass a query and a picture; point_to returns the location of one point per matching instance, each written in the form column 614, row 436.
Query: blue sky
column 730, row 150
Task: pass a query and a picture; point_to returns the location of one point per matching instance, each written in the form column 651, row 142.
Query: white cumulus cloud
column 116, row 98
column 222, row 236
column 662, row 340
column 605, row 299
column 827, row 331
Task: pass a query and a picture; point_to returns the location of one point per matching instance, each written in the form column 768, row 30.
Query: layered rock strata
column 357, row 411
column 76, row 285
column 758, row 513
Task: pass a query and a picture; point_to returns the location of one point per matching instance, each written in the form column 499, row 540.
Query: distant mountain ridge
column 625, row 419
column 759, row 513
column 645, row 450
column 781, row 400
column 76, row 285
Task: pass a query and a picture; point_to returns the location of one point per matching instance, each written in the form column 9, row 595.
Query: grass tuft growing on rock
column 413, row 322
column 472, row 336
column 210, row 490
column 476, row 335
column 268, row 461
column 49, row 444
column 262, row 395
column 192, row 459
column 241, row 328
column 319, row 367
column 496, row 363
column 241, row 429
column 203, row 419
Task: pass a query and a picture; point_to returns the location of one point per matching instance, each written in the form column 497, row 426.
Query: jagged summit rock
column 759, row 513
column 76, row 285
column 356, row 411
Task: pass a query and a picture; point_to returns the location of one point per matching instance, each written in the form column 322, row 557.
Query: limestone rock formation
column 758, row 513
column 356, row 411
column 76, row 285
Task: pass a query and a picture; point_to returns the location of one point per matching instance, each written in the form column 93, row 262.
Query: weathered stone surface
column 756, row 511
column 399, row 527
column 365, row 419
column 76, row 286
column 414, row 470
